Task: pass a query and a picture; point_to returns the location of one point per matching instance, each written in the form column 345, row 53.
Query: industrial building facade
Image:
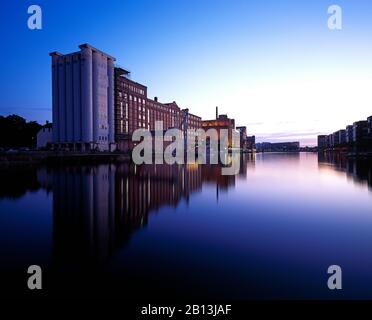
column 134, row 110
column 97, row 107
column 356, row 138
column 83, row 100
column 222, row 122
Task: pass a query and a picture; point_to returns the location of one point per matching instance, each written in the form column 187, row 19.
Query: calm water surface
column 186, row 231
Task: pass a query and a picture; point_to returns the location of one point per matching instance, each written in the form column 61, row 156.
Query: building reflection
column 359, row 170
column 97, row 208
column 140, row 190
column 83, row 212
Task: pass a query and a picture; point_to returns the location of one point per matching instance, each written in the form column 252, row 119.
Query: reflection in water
column 187, row 231
column 16, row 181
column 359, row 170
column 83, row 212
column 96, row 208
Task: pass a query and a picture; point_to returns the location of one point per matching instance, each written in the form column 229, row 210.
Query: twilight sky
column 273, row 65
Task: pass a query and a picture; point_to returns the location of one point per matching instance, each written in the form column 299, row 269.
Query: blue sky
column 272, row 65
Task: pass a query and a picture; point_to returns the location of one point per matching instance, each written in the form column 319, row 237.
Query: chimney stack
column 156, row 99
column 216, row 113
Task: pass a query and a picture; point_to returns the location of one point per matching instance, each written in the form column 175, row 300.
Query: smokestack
column 156, row 99
column 216, row 113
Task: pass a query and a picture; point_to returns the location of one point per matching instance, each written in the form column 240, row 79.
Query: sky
column 272, row 65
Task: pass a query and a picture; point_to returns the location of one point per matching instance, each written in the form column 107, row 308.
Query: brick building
column 221, row 122
column 134, row 110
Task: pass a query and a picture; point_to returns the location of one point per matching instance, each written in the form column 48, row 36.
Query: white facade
column 44, row 137
column 83, row 99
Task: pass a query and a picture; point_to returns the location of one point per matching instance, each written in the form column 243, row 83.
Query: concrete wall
column 44, row 137
column 83, row 99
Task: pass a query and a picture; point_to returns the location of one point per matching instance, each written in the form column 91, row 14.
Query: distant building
column 278, row 147
column 360, row 131
column 342, row 136
column 44, row 137
column 322, row 142
column 83, row 100
column 356, row 138
column 221, row 122
column 336, row 137
column 251, row 143
column 349, row 134
column 330, row 139
column 333, row 140
column 243, row 137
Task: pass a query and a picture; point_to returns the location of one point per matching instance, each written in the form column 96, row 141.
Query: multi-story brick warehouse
column 134, row 110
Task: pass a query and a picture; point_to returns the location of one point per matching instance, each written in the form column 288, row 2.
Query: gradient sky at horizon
column 272, row 65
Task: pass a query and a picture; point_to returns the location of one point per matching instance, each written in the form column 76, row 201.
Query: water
column 169, row 232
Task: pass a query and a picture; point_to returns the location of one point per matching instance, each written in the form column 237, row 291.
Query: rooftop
column 85, row 45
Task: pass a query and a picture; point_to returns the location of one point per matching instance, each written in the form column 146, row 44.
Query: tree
column 16, row 132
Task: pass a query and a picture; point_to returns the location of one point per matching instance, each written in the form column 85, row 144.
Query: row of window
column 102, row 138
column 134, row 89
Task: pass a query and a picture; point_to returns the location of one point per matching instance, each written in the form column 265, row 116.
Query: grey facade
column 83, row 100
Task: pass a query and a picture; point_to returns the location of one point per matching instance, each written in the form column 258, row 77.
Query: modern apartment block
column 338, row 138
column 349, row 134
column 360, row 130
column 83, row 100
column 322, row 141
column 134, row 110
column 356, row 138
